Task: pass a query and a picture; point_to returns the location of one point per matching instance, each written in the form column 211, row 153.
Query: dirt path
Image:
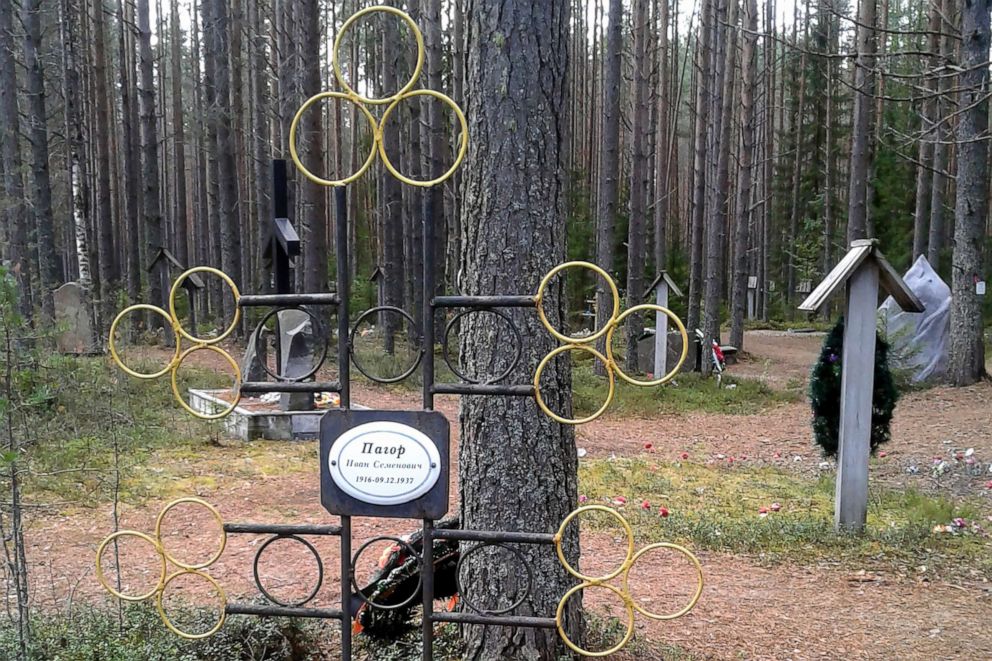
column 747, row 610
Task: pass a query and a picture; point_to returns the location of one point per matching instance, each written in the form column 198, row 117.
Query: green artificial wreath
column 824, row 393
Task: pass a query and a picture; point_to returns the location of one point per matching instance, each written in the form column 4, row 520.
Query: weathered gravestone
column 72, row 315
column 299, row 347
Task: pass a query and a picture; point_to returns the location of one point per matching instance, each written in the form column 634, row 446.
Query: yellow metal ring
column 296, row 157
column 237, row 382
column 699, row 581
column 539, row 299
column 628, row 559
column 103, row 579
column 336, row 60
column 628, row 606
column 551, row 356
column 645, row 308
column 113, row 346
column 462, row 150
column 175, row 318
column 176, row 630
column 217, row 517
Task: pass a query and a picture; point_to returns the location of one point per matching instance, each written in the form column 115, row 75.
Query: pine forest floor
column 779, row 586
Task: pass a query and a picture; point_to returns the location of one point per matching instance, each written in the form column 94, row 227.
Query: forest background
column 720, row 140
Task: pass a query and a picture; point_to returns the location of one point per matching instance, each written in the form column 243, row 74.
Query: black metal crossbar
column 288, row 300
column 482, row 389
column 258, row 387
column 483, row 302
column 265, row 610
column 281, row 529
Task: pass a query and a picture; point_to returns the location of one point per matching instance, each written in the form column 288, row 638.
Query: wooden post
column 752, row 294
column 661, row 331
column 857, row 388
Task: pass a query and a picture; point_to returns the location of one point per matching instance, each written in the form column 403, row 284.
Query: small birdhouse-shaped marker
column 662, row 285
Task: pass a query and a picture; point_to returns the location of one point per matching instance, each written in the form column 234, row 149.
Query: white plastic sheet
column 919, row 342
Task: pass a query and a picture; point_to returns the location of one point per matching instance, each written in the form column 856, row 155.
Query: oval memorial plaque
column 384, row 463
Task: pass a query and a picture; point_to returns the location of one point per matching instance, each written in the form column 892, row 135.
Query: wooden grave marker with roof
column 860, row 273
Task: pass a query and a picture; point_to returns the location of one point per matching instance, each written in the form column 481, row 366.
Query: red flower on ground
column 663, row 512
column 685, row 455
column 882, row 455
column 648, row 446
column 645, row 505
column 776, row 507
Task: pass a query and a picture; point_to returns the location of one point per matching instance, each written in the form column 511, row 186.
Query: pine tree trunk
column 704, row 56
column 230, row 230
column 857, row 204
column 150, row 163
column 830, row 157
column 438, row 152
column 795, row 206
column 942, row 137
column 924, row 175
column 41, row 187
column 716, row 228
column 742, row 238
column 261, row 141
column 609, row 169
column 768, row 188
column 967, row 354
column 15, row 210
column 664, row 151
column 315, row 241
column 640, row 178
column 514, row 215
column 130, row 153
column 391, row 194
column 180, row 215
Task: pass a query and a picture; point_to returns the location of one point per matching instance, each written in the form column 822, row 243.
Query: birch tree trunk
column 514, row 216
